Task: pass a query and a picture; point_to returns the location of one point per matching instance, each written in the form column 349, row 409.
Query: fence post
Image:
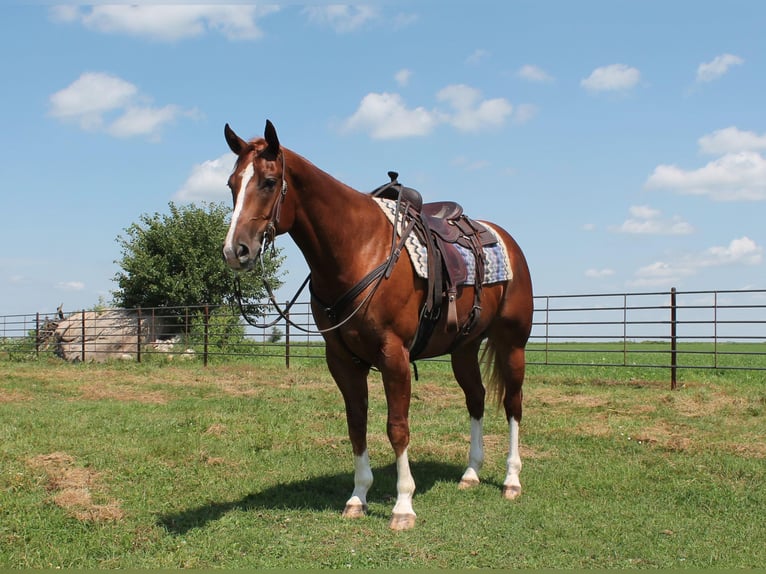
column 287, row 335
column 624, row 330
column 547, row 325
column 138, row 334
column 37, row 335
column 673, row 342
column 715, row 329
column 82, row 332
column 206, row 335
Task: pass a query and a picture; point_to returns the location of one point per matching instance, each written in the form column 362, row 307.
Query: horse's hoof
column 402, row 522
column 466, row 483
column 355, row 511
column 511, row 492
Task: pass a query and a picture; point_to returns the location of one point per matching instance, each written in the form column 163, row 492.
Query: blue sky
column 622, row 143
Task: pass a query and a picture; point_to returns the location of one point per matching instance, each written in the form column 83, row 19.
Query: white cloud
column 644, row 212
column 525, row 113
column 534, row 74
column 103, row 102
column 404, row 20
column 470, row 165
column 732, row 177
column 599, row 273
column 403, row 76
column 342, row 18
column 717, row 67
column 168, row 22
column 70, row 285
column 477, row 56
column 645, row 220
column 139, row 121
column 659, row 274
column 207, row 181
column 612, row 78
column 469, row 112
column 731, row 139
column 386, row 116
column 741, row 251
column 90, row 96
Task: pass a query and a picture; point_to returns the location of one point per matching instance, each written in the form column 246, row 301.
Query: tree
column 175, row 261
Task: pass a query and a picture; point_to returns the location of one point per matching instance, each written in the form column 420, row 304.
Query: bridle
column 270, row 233
column 374, row 278
column 269, row 237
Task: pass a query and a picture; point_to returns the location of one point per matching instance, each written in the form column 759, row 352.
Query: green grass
column 248, row 465
column 656, row 354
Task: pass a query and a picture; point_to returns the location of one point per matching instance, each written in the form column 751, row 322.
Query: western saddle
column 440, row 226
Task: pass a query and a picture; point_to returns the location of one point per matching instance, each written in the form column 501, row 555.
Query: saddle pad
column 497, row 266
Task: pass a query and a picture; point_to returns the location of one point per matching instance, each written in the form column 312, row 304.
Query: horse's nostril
column 242, row 251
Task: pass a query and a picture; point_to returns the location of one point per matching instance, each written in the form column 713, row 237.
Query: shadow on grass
column 321, row 493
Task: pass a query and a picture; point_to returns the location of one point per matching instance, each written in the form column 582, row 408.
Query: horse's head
column 257, row 187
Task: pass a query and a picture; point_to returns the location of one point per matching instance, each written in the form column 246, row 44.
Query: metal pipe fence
column 722, row 330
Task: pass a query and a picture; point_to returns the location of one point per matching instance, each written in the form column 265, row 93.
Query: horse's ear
column 270, row 135
column 236, row 143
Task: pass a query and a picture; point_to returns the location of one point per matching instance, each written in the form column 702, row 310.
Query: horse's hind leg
column 465, row 366
column 508, row 371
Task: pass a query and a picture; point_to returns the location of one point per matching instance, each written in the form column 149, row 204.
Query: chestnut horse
column 343, row 234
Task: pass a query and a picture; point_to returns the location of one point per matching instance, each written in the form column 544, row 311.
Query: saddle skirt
column 497, row 266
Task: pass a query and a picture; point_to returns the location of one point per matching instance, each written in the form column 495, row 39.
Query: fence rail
column 722, row 330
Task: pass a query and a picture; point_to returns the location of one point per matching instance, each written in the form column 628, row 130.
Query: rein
column 283, row 313
column 374, row 277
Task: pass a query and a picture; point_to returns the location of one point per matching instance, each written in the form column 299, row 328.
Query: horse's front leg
column 351, row 378
column 395, row 370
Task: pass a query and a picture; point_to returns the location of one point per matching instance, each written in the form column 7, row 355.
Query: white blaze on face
column 229, row 248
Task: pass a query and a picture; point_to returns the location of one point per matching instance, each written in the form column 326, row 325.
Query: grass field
column 248, row 465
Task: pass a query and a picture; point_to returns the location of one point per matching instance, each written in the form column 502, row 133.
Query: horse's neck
column 339, row 230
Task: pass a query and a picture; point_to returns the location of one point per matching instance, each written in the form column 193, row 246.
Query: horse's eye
column 269, row 183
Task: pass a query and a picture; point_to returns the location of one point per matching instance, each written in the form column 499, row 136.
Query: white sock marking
column 362, row 480
column 405, row 486
column 476, row 452
column 514, row 456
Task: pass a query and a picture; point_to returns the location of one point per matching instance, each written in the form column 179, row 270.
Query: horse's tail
column 492, row 376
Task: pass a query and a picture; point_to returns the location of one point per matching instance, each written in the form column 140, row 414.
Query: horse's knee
column 398, row 435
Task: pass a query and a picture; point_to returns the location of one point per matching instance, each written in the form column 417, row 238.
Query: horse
column 343, row 234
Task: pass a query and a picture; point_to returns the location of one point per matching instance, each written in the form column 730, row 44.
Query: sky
column 622, row 143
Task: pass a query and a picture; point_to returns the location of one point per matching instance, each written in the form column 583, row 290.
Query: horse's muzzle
column 241, row 256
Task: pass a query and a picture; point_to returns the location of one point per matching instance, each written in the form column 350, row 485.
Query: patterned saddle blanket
column 497, row 266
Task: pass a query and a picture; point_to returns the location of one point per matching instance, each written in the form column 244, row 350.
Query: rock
column 188, row 354
column 102, row 335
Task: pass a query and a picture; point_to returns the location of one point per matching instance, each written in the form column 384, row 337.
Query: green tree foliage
column 225, row 331
column 175, row 260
